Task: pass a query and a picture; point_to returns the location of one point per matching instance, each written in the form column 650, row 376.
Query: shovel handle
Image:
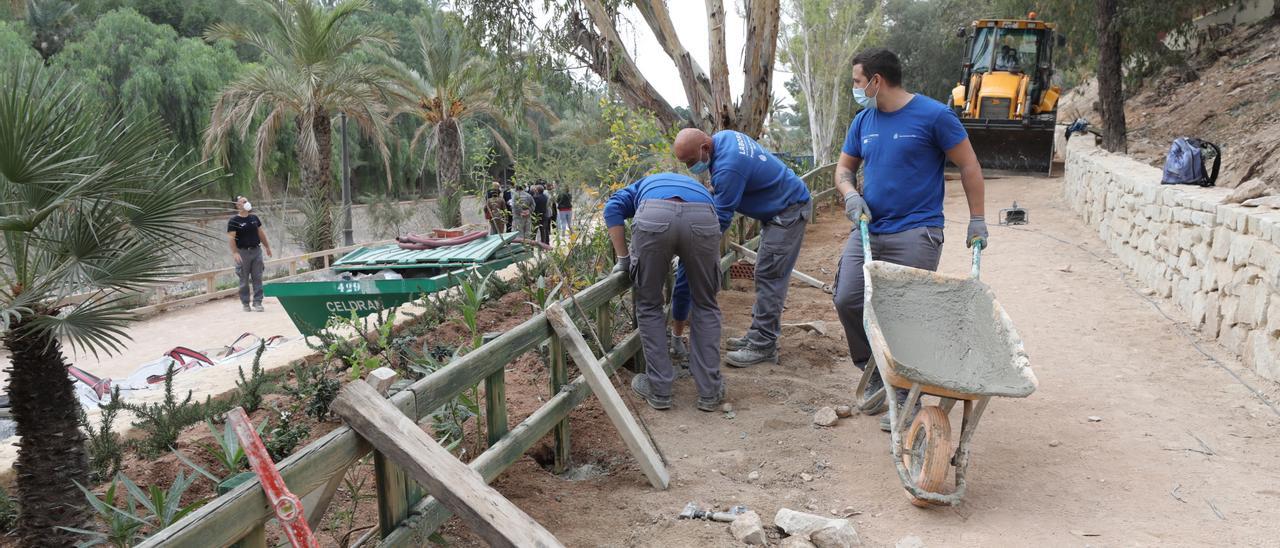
column 977, row 257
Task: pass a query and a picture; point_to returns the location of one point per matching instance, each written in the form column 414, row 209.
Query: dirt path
column 1180, row 440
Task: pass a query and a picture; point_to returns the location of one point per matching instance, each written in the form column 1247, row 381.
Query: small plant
column 315, row 390
column 474, row 291
column 365, row 353
column 228, row 453
column 285, row 437
column 164, row 421
column 8, row 512
column 344, row 520
column 106, row 450
column 123, row 525
column 250, row 391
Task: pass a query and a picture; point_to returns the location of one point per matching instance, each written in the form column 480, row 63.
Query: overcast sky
column 690, row 20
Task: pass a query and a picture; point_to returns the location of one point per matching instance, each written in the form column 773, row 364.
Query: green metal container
column 311, row 304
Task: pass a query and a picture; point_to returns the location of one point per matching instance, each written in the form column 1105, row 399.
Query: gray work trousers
column 250, row 272
column 522, row 225
column 918, row 247
column 780, row 240
column 663, row 229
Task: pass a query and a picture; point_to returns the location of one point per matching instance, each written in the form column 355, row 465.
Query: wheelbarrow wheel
column 927, row 452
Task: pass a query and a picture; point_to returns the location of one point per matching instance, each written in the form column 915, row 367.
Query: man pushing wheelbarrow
column 944, row 345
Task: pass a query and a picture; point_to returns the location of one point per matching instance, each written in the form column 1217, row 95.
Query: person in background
column 521, row 212
column 506, row 205
column 902, row 141
column 248, row 240
column 750, row 180
column 564, row 212
column 494, row 210
column 674, row 216
column 542, row 213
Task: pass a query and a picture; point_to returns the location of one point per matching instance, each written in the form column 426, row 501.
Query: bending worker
column 902, row 141
column 674, row 216
column 748, row 179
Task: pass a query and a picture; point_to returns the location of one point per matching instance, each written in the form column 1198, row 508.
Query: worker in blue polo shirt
column 902, row 141
column 748, row 179
column 674, row 215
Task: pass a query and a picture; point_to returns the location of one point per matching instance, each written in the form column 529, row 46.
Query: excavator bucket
column 1010, row 145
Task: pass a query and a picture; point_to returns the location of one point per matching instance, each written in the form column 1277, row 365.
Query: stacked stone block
column 1219, row 262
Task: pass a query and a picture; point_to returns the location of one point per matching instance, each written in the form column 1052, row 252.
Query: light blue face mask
column 699, row 168
column 860, row 95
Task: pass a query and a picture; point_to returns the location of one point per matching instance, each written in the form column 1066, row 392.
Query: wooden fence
column 407, row 515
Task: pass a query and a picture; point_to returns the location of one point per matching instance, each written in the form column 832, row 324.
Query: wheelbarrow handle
column 866, row 248
column 977, row 257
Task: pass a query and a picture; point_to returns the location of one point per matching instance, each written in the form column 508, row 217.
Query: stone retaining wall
column 1220, row 263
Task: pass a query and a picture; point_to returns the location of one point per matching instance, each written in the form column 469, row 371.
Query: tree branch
column 721, row 102
column 696, row 86
column 610, row 60
column 757, row 65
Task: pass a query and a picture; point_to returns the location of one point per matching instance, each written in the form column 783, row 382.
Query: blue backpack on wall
column 1185, row 163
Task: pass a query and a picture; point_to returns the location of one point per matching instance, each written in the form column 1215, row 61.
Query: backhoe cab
column 1006, row 99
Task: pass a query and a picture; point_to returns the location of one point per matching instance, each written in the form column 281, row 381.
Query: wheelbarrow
column 940, row 336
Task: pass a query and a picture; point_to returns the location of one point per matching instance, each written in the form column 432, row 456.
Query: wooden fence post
column 559, row 378
column 495, row 405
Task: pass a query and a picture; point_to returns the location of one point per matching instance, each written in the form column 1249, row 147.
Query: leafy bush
column 164, row 421
column 250, row 392
column 285, row 437
column 106, row 450
column 315, row 390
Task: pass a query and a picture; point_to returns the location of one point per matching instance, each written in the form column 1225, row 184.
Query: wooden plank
column 316, row 503
column 559, row 378
column 257, row 538
column 639, row 444
column 794, row 273
column 495, row 406
column 391, row 484
column 430, row 514
column 460, row 488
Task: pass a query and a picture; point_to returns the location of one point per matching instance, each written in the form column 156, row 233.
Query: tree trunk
column 51, row 453
column 696, row 85
column 449, row 173
column 722, row 114
column 608, row 58
column 763, row 19
column 317, row 189
column 1110, row 76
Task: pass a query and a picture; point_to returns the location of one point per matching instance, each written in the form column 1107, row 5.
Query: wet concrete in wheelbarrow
column 1041, row 473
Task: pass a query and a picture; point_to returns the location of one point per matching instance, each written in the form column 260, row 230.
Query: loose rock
column 727, row 407
column 748, row 529
column 825, row 417
column 844, row 411
column 1055, row 443
column 796, row 542
column 805, row 525
column 753, row 476
column 1095, row 418
column 683, row 428
column 806, row 477
column 909, row 542
column 840, row 535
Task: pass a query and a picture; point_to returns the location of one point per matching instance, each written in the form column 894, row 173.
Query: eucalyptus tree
column 90, row 204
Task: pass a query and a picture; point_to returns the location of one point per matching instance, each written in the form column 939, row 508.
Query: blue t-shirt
column 748, row 179
column 659, row 186
column 903, row 153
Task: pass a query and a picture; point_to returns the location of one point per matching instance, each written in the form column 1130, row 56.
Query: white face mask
column 248, row 206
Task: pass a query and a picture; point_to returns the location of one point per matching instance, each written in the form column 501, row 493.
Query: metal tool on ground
column 941, row 336
column 693, row 511
column 287, row 506
column 794, row 273
column 1014, row 215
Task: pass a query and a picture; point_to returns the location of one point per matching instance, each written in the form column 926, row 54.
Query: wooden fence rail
column 407, row 516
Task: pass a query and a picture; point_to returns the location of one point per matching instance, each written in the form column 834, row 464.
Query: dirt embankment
column 1228, row 93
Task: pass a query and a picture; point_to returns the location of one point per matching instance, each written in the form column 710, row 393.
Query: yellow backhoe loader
column 1006, row 98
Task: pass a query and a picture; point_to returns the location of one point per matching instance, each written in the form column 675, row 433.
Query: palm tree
column 88, row 204
column 455, row 87
column 309, row 73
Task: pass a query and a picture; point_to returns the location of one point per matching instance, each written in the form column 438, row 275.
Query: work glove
column 977, row 232
column 855, row 207
column 624, row 265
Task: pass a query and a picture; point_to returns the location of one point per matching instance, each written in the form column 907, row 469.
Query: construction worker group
column 901, row 140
